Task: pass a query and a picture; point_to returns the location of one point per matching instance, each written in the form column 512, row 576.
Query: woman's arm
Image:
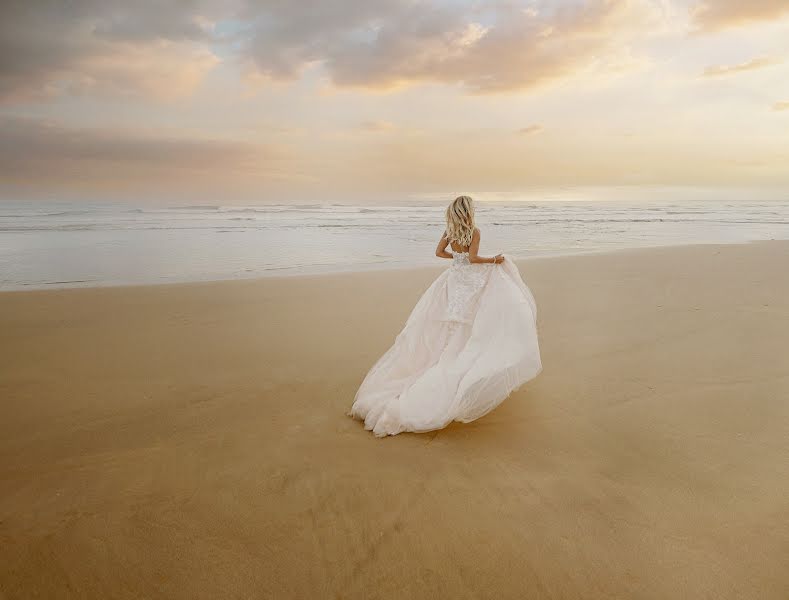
column 441, row 249
column 474, row 248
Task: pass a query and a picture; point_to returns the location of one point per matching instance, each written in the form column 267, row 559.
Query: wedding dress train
column 469, row 342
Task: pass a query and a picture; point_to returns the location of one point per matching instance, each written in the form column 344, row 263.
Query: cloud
column 37, row 150
column 780, row 106
column 376, row 126
column 714, row 15
column 162, row 50
column 756, row 63
column 381, row 44
column 142, row 48
column 160, row 70
column 531, row 129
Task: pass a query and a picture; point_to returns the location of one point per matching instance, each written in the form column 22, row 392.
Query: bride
column 469, row 342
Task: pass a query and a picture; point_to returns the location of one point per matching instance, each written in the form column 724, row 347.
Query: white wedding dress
column 469, row 342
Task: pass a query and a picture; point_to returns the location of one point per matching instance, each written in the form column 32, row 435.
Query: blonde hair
column 460, row 220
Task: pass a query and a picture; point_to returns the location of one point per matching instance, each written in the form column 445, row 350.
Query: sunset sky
column 378, row 100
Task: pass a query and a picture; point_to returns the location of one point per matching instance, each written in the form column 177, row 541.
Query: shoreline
column 373, row 270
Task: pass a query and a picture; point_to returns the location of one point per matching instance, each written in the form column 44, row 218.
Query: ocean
column 73, row 245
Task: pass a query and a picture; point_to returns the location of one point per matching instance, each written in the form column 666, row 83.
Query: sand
column 190, row 441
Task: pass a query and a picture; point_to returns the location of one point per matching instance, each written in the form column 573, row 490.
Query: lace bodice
column 459, row 258
column 465, row 281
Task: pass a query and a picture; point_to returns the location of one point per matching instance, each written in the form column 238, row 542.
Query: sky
column 278, row 101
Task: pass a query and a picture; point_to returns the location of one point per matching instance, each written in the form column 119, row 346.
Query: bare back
column 471, row 250
column 457, row 247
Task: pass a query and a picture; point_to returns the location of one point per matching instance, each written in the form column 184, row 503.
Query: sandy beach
column 190, row 441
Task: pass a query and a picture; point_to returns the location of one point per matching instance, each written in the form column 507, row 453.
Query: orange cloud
column 41, row 153
column 713, row 15
column 779, row 106
column 376, row 126
column 160, row 70
column 756, row 63
column 530, row 130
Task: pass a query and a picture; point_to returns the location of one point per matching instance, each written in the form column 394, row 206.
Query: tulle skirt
column 469, row 342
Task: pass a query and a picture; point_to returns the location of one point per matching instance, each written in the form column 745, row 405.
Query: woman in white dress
column 469, row 342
